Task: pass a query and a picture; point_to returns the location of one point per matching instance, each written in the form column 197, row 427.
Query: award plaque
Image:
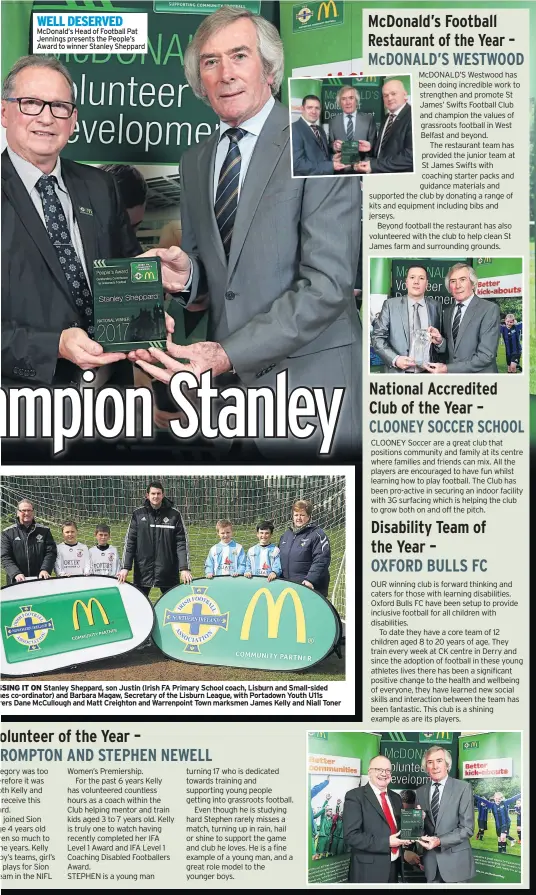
column 350, row 152
column 411, row 824
column 128, row 303
column 420, row 347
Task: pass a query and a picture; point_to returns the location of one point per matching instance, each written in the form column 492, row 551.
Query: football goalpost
column 202, row 499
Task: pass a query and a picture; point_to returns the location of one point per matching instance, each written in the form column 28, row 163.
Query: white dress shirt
column 29, row 175
column 377, row 793
column 247, row 144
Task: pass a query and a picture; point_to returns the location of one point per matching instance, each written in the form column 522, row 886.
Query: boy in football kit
column 72, row 557
column 227, row 557
column 103, row 557
column 263, row 558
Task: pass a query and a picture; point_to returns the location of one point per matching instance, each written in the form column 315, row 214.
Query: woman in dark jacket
column 304, row 550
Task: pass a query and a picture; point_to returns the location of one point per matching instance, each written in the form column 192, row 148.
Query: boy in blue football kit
column 227, row 557
column 263, row 558
column 499, row 807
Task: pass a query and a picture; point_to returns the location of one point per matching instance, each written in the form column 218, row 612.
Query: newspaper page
column 264, row 599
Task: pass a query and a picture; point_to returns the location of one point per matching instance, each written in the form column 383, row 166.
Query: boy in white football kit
column 227, row 557
column 103, row 557
column 72, row 557
column 263, row 558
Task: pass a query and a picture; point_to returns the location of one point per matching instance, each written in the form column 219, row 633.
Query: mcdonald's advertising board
column 57, row 622
column 246, row 623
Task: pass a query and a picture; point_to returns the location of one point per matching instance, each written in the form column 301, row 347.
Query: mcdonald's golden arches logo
column 327, row 7
column 88, row 610
column 274, row 609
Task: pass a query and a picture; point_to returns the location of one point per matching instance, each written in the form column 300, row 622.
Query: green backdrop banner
column 246, row 623
column 337, row 762
column 491, row 763
column 405, row 752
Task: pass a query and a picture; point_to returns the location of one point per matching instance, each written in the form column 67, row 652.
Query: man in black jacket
column 157, row 544
column 304, row 550
column 28, row 548
column 393, row 150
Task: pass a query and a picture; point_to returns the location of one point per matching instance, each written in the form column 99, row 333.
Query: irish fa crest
column 196, row 619
column 29, row 628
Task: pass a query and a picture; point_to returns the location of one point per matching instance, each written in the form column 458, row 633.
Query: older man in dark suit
column 393, row 150
column 371, row 822
column 57, row 217
column 276, row 255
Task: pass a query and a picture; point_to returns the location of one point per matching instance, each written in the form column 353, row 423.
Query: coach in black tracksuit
column 304, row 550
column 28, row 548
column 157, row 544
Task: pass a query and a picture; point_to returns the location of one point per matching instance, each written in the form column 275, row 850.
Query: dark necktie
column 387, row 130
column 58, row 230
column 456, row 323
column 435, row 803
column 416, row 322
column 349, row 128
column 227, row 191
column 389, row 817
column 318, row 137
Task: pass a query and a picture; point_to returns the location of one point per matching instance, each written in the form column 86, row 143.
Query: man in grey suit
column 351, row 124
column 471, row 327
column 449, row 821
column 371, row 821
column 277, row 256
column 400, row 318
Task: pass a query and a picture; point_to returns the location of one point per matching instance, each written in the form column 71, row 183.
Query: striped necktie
column 227, row 191
column 318, row 137
column 58, row 230
column 349, row 128
column 456, row 323
column 435, row 803
column 387, row 130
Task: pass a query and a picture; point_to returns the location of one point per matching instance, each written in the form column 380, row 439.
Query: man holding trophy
column 401, row 333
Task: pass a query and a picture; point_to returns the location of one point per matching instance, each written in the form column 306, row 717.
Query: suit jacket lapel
column 404, row 313
column 87, row 223
column 20, row 200
column 467, row 317
column 397, row 124
column 444, row 799
column 371, row 796
column 270, row 143
column 205, row 170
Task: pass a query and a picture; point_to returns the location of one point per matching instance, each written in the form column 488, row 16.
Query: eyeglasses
column 381, row 772
column 29, row 105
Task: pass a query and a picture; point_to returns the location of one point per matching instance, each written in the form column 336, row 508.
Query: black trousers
column 163, row 590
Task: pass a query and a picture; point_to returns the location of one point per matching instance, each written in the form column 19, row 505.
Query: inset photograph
column 437, row 316
column 158, row 578
column 351, row 125
column 414, row 807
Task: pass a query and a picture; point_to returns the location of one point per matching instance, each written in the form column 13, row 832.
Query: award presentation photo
column 414, row 807
column 166, row 578
column 238, row 336
column 436, row 315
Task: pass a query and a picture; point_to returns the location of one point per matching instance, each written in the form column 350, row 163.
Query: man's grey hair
column 460, row 266
column 25, row 500
column 432, row 749
column 35, row 62
column 345, row 90
column 269, row 46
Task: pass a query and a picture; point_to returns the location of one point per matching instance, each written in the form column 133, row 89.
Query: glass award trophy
column 350, row 152
column 128, row 303
column 420, row 347
column 411, row 824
